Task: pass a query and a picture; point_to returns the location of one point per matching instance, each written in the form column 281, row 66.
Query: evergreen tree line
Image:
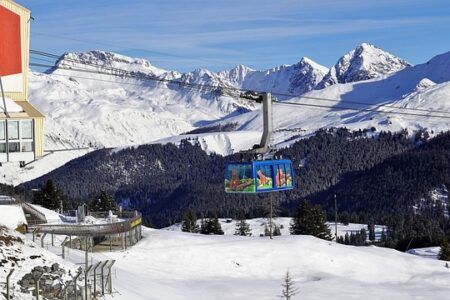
column 162, row 181
column 382, row 180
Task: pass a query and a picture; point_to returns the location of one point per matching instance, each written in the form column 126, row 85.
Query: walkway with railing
column 92, row 230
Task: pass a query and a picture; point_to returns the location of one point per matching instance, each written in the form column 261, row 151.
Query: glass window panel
column 264, row 177
column 13, row 130
column 288, row 169
column 2, row 147
column 14, row 147
column 26, row 147
column 239, row 178
column 2, row 131
column 26, row 127
column 280, row 176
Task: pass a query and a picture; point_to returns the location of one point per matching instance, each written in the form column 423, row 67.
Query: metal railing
column 91, row 229
column 28, row 208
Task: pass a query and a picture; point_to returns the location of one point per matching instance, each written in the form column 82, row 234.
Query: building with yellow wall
column 21, row 124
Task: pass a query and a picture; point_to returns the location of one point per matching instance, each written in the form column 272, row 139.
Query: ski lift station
column 21, row 124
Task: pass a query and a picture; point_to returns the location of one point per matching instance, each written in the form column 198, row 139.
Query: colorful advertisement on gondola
column 239, row 179
column 259, row 176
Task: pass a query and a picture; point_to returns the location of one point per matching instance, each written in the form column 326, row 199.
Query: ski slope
column 175, row 265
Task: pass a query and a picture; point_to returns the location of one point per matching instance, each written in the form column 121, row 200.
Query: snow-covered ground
column 12, row 216
column 176, row 265
column 428, row 252
column 13, row 174
column 258, row 226
column 21, row 254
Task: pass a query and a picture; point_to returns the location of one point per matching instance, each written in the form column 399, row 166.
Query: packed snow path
column 176, row 265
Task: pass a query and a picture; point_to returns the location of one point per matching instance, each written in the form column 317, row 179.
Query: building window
column 2, row 131
column 26, row 127
column 20, row 136
column 26, row 147
column 13, row 130
column 26, row 136
column 13, row 147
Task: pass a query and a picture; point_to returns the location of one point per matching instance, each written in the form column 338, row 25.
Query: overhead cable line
column 243, row 90
column 362, row 109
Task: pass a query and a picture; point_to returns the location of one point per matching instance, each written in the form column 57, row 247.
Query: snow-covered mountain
column 294, row 79
column 364, row 62
column 109, row 110
column 85, row 108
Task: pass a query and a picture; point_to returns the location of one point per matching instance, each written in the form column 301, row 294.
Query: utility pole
column 335, row 218
column 271, row 215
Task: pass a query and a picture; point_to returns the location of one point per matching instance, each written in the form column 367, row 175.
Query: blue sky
column 185, row 35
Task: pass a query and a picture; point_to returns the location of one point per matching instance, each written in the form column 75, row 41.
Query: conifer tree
column 289, row 290
column 242, row 228
column 310, row 220
column 49, row 196
column 189, row 223
column 371, row 228
column 444, row 252
column 276, row 230
column 347, row 239
column 103, row 202
column 211, row 226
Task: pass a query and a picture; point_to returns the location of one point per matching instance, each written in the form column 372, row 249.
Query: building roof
column 28, row 111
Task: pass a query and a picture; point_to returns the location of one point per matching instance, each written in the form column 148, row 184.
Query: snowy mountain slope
column 364, row 62
column 423, row 87
column 13, row 174
column 113, row 112
column 177, row 265
column 295, row 79
column 88, row 109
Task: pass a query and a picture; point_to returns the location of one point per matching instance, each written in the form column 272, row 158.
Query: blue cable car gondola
column 261, row 175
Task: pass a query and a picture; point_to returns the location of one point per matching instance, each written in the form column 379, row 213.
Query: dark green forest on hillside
column 163, row 181
column 377, row 179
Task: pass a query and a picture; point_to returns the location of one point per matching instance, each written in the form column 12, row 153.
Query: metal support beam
column 8, row 296
column 86, row 251
column 74, row 280
column 63, row 244
column 103, row 274
column 42, row 240
column 95, row 278
column 5, row 108
column 110, row 276
column 266, row 99
column 36, row 285
column 34, row 234
column 86, row 273
column 64, row 293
